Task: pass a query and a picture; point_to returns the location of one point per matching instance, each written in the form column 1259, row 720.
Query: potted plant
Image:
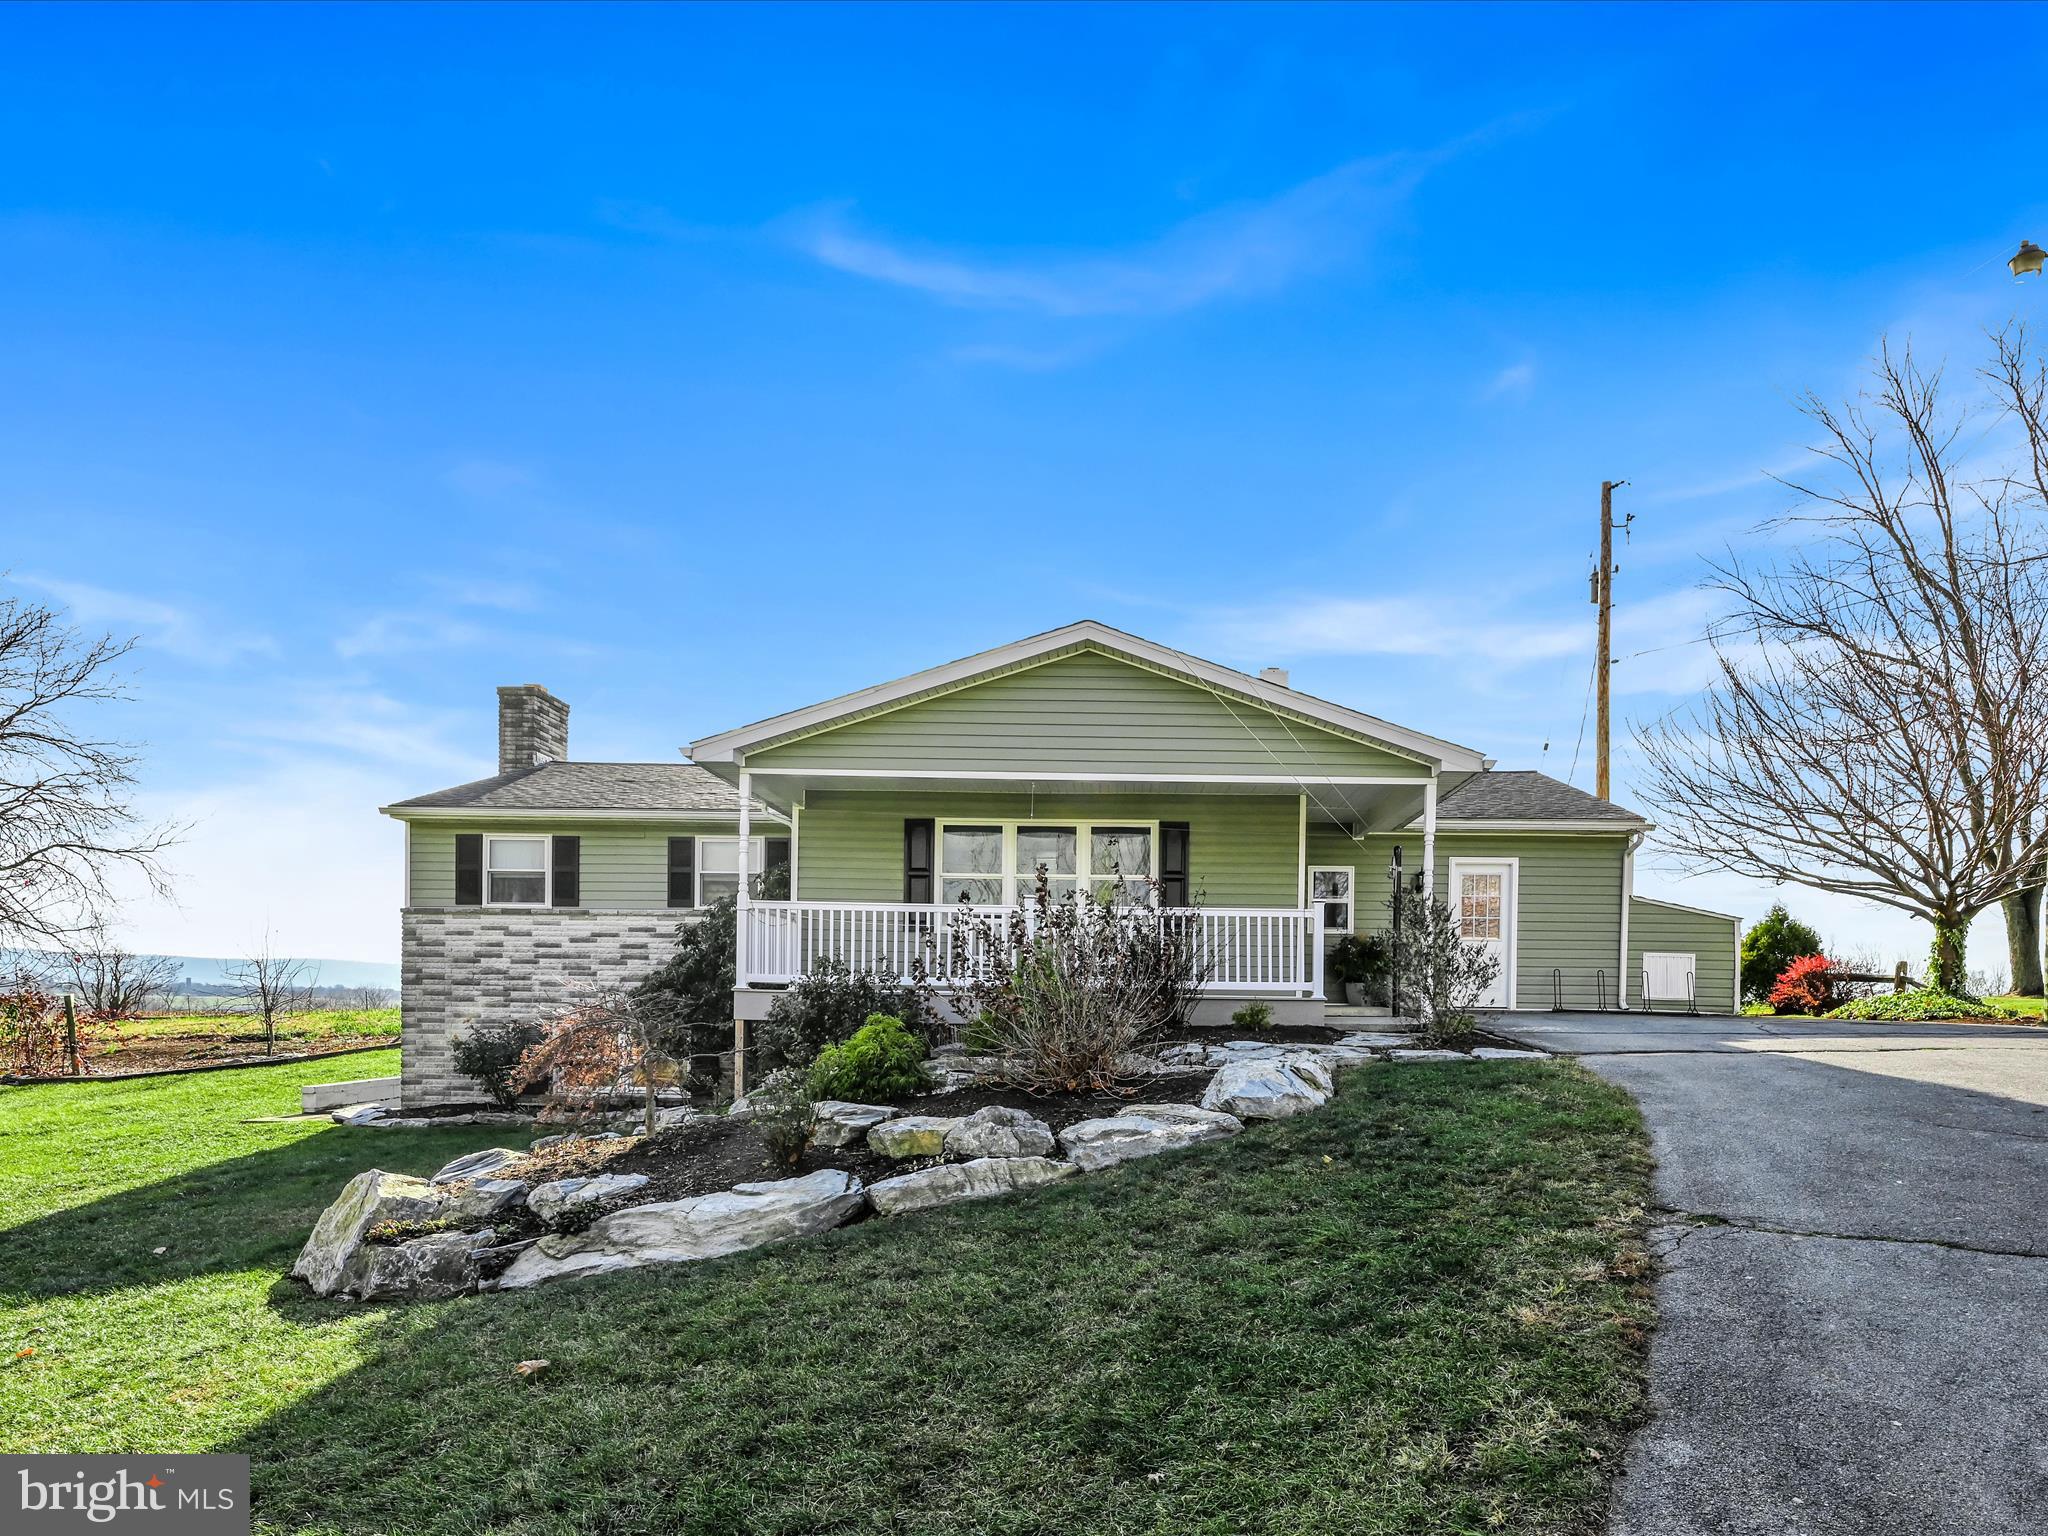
column 1360, row 966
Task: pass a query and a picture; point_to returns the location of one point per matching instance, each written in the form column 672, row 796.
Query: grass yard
column 1421, row 1310
column 320, row 1024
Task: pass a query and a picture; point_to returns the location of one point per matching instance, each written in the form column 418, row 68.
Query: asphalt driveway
column 1854, row 1230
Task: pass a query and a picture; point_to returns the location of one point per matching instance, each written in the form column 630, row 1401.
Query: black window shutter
column 469, row 869
column 1173, row 863
column 682, row 871
column 774, row 856
column 917, row 860
column 568, row 861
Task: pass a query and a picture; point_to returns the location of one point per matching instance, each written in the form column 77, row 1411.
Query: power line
column 1584, row 709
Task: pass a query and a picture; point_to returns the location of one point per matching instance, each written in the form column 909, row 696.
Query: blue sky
column 700, row 363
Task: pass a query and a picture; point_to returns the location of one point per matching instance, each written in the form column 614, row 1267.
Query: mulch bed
column 201, row 1053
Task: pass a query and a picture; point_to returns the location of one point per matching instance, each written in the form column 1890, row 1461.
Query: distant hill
column 203, row 973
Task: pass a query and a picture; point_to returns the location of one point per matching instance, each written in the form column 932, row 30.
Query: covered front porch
column 890, row 872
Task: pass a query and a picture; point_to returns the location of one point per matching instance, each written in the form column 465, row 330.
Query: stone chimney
column 1277, row 676
column 533, row 727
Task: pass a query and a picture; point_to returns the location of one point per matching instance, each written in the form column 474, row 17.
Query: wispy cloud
column 1233, row 251
column 400, row 634
column 1398, row 626
column 485, row 478
column 164, row 626
column 1513, row 382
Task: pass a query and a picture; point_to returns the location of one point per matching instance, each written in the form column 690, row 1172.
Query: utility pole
column 1603, row 594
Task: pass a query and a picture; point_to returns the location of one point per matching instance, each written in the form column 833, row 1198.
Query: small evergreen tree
column 1769, row 947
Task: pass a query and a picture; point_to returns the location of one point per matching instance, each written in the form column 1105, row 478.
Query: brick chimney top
column 533, row 727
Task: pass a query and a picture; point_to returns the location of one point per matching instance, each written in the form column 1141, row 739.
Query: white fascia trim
column 1433, row 750
column 528, row 813
column 1448, row 827
column 1679, row 906
column 1289, row 782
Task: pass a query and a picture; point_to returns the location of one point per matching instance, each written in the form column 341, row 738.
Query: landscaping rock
column 978, row 1180
column 1143, row 1130
column 1269, row 1090
column 424, row 1269
column 671, row 1232
column 999, row 1131
column 334, row 1258
column 912, row 1135
column 548, row 1201
column 484, row 1201
column 360, row 1114
column 841, row 1123
column 1376, row 1040
column 674, row 1115
column 475, row 1165
column 1496, row 1053
column 1430, row 1056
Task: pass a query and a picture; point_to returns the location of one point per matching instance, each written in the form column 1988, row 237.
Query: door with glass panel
column 1483, row 898
column 1330, row 891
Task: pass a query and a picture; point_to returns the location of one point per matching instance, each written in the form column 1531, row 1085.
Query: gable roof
column 661, row 788
column 726, row 746
column 1521, row 794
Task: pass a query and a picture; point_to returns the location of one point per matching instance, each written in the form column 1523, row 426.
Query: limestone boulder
column 703, row 1227
column 1269, row 1090
column 335, row 1256
column 999, row 1131
column 428, row 1268
column 976, row 1180
column 476, row 1165
column 483, row 1201
column 1143, row 1130
column 842, row 1123
column 549, row 1201
column 1430, row 1055
column 1497, row 1053
column 912, row 1135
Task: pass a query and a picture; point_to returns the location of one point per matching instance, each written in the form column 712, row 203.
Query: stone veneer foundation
column 464, row 966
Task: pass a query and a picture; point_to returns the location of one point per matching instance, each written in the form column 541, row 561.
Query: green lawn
column 320, row 1024
column 1420, row 1310
column 2023, row 1007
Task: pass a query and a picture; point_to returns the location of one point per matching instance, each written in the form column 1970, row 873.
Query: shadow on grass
column 248, row 1212
column 1418, row 1310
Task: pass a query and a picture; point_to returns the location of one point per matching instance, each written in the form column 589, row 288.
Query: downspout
column 1628, row 891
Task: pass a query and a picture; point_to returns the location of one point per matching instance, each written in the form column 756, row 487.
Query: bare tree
column 65, row 821
column 366, row 999
column 272, row 987
column 108, row 981
column 1875, row 728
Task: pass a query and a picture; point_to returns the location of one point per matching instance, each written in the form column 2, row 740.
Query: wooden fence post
column 1900, row 978
column 72, row 1064
column 739, row 1058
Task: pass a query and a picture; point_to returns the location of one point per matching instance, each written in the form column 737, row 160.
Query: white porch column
column 746, row 960
column 1301, row 860
column 796, row 815
column 1429, row 837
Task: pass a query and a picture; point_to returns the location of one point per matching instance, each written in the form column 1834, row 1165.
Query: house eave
column 567, row 813
column 1607, row 826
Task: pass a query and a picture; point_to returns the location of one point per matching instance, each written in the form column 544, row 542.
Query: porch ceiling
column 1373, row 807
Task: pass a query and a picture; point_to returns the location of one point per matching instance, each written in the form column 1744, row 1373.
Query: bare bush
column 1437, row 971
column 1067, row 994
column 33, row 1038
column 271, row 986
column 109, row 982
column 616, row 1046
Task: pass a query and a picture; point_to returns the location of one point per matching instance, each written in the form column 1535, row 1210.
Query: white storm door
column 1483, row 899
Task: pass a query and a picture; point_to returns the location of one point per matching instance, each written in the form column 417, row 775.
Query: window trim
column 1083, row 829
column 1350, row 871
column 547, row 867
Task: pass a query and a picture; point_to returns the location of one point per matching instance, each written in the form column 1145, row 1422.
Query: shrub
column 691, row 993
column 1253, row 1016
column 610, row 1047
column 32, row 1030
column 1067, row 992
column 1441, row 975
column 1365, row 962
column 882, row 1059
column 490, row 1053
column 782, row 1112
column 1921, row 1003
column 828, row 1005
column 1775, row 942
column 1808, row 985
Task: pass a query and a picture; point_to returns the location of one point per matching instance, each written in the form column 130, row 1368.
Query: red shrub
column 1808, row 985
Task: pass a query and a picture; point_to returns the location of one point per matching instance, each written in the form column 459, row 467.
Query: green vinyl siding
column 1713, row 940
column 625, row 864
column 1568, row 906
column 1242, row 849
column 1086, row 712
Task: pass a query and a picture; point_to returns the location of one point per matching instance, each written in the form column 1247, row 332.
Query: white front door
column 1330, row 891
column 1483, row 898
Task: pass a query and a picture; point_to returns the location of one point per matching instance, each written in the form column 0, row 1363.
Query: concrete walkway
column 1854, row 1300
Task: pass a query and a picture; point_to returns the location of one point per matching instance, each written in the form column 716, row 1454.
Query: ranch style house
column 852, row 829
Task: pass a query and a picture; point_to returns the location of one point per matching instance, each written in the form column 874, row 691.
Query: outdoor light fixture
column 2026, row 259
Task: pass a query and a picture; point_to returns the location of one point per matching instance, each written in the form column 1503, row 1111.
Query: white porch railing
column 1252, row 949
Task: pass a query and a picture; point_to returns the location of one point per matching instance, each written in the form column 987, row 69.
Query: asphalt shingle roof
column 569, row 786
column 1520, row 794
